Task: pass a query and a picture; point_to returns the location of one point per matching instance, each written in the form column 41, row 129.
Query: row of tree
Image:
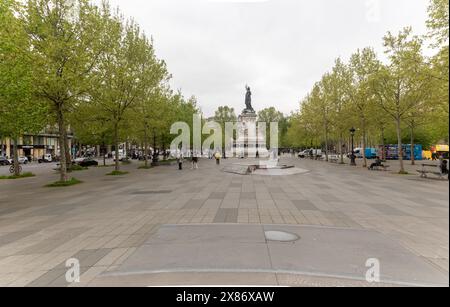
column 405, row 96
column 82, row 67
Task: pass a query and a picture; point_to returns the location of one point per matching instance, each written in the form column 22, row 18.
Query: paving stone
column 226, row 216
column 38, row 227
column 304, row 205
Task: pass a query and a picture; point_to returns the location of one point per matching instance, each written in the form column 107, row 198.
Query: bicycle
column 12, row 169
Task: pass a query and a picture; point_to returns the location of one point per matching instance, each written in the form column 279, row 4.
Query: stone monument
column 249, row 143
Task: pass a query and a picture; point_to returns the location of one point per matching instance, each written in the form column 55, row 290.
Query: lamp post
column 352, row 157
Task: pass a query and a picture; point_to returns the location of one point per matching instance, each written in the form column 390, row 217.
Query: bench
column 334, row 159
column 424, row 171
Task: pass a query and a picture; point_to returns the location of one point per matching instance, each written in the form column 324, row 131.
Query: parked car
column 4, row 161
column 22, row 160
column 316, row 153
column 46, row 159
column 85, row 162
column 304, row 154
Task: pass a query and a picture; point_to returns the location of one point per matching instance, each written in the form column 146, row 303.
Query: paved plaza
column 196, row 227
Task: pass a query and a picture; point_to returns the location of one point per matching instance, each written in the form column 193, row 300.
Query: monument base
column 250, row 143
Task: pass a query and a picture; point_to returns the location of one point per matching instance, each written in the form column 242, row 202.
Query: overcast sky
column 280, row 48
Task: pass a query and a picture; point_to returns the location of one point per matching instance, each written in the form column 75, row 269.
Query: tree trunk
column 16, row 157
column 364, row 143
column 400, row 146
column 326, row 144
column 341, row 148
column 383, row 150
column 413, row 158
column 145, row 148
column 68, row 153
column 116, row 143
column 62, row 145
column 104, row 155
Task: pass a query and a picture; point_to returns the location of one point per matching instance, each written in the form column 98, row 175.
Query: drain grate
column 281, row 236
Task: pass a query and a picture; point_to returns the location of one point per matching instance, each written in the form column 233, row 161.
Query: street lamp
column 352, row 157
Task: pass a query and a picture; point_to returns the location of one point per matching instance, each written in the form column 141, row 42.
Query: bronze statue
column 248, row 101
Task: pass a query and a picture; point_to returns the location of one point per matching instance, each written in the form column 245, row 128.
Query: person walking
column 217, row 156
column 194, row 160
column 180, row 161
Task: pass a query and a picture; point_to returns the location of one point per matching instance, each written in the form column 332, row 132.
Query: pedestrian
column 443, row 165
column 218, row 156
column 377, row 163
column 180, row 161
column 194, row 160
column 434, row 156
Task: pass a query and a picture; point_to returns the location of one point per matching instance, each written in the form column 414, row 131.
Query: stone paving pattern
column 103, row 221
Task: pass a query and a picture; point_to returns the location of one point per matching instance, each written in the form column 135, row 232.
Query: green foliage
column 62, row 184
column 78, row 168
column 21, row 176
column 145, row 167
column 20, row 111
column 404, row 100
column 64, row 39
column 271, row 115
column 437, row 22
column 223, row 115
column 117, row 173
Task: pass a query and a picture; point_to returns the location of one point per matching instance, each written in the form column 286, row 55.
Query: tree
column 438, row 26
column 151, row 114
column 223, row 115
column 91, row 126
column 363, row 64
column 336, row 93
column 271, row 115
column 437, row 22
column 64, row 43
column 127, row 69
column 20, row 111
column 397, row 85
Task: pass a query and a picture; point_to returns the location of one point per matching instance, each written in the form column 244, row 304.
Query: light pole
column 352, row 157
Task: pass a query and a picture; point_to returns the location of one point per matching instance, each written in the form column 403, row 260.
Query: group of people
column 195, row 158
column 443, row 165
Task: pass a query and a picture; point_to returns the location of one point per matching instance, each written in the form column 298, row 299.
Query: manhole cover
column 281, row 236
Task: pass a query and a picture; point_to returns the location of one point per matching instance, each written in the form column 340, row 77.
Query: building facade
column 36, row 146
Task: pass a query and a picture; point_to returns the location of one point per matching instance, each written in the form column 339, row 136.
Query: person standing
column 180, row 161
column 194, row 160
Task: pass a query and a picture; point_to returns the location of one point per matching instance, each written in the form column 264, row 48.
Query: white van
column 310, row 152
column 46, row 159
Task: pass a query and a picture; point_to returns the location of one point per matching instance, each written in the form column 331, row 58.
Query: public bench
column 431, row 169
column 334, row 159
column 382, row 167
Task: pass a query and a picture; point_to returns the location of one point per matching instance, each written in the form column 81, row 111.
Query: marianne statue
column 248, row 101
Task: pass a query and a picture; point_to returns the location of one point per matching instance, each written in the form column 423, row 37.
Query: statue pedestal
column 250, row 143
